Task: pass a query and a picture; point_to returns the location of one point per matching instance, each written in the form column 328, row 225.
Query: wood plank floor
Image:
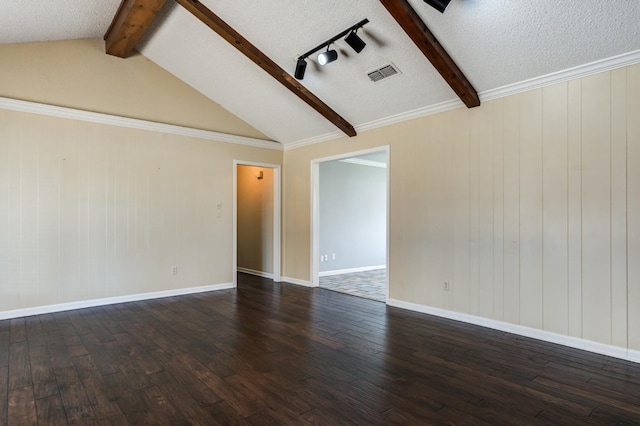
column 283, row 354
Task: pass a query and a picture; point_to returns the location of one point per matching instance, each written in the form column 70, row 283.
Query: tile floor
column 370, row 284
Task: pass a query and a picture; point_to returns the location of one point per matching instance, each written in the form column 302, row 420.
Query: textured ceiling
column 494, row 42
column 46, row 20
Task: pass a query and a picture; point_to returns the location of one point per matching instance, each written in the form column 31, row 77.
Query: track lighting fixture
column 355, row 42
column 326, row 57
column 439, row 5
column 301, row 67
column 331, row 55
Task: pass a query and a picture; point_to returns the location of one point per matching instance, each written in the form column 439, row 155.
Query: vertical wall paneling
column 542, row 208
column 511, row 152
column 73, row 132
column 619, row 207
column 633, row 205
column 596, row 210
column 435, row 212
column 118, row 167
column 461, row 218
column 48, row 208
column 574, row 206
column 498, row 210
column 555, row 262
column 28, row 207
column 531, row 209
column 15, row 143
column 476, row 144
column 484, row 136
column 98, row 208
column 6, row 159
column 449, row 198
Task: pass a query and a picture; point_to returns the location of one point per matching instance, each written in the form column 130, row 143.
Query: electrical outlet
column 333, row 256
column 174, row 270
column 447, row 286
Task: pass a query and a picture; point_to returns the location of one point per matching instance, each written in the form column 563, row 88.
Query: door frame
column 315, row 209
column 277, row 203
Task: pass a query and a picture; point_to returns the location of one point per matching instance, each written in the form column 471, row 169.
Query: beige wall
column 255, row 219
column 89, row 211
column 529, row 205
column 78, row 74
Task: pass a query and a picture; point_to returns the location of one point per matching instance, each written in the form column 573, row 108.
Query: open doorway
column 350, row 221
column 256, row 225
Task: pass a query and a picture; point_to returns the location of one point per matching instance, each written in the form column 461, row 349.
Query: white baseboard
column 297, row 281
column 352, row 270
column 634, row 356
column 547, row 336
column 254, row 272
column 39, row 310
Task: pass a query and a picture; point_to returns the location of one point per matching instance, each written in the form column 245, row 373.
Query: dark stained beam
column 418, row 31
column 263, row 61
column 129, row 24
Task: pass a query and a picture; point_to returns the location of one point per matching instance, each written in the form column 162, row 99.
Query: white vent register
column 383, row 73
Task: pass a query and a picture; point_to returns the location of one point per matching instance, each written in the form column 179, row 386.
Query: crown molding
column 131, row 123
column 410, row 115
column 574, row 73
column 608, row 64
column 313, row 140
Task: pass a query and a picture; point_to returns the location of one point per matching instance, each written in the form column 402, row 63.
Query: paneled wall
column 529, row 205
column 90, row 211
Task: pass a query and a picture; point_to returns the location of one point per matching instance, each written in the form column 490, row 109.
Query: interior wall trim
column 254, row 272
column 131, row 123
column 48, row 309
column 608, row 64
column 547, row 336
column 351, row 270
column 297, row 281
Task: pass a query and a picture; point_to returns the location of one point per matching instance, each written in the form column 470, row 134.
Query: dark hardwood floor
column 283, row 354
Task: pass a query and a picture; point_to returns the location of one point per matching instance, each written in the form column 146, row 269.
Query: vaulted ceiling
column 495, row 43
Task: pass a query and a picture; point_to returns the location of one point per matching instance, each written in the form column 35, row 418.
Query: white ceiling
column 494, row 42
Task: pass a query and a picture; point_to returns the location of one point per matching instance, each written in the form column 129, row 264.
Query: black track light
column 327, row 57
column 439, row 5
column 355, row 42
column 301, row 67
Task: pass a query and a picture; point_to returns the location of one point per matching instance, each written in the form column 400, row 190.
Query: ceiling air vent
column 382, row 73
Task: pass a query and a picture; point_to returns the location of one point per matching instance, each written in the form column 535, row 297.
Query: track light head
column 327, row 57
column 301, row 67
column 439, row 5
column 355, row 42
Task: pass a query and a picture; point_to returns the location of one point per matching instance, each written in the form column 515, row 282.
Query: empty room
column 161, row 206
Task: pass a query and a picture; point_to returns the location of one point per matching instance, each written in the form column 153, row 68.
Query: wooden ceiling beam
column 234, row 38
column 418, row 31
column 129, row 24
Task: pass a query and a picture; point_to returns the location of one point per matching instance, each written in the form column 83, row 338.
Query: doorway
column 350, row 223
column 256, row 219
